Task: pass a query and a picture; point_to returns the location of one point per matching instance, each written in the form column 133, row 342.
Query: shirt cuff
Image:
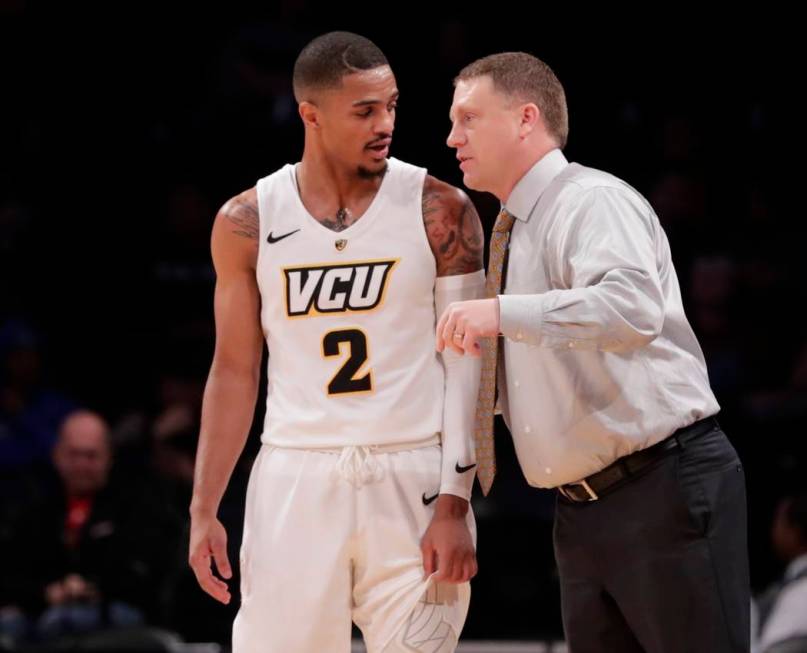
column 520, row 318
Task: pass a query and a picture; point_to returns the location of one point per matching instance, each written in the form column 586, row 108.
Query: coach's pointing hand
column 462, row 324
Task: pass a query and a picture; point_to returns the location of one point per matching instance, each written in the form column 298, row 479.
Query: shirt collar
column 529, row 188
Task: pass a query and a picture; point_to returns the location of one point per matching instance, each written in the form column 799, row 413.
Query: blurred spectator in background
column 89, row 554
column 782, row 608
column 30, row 413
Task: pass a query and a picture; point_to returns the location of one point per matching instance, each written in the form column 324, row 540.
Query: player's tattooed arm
column 231, row 389
column 235, row 231
column 453, row 228
column 241, row 213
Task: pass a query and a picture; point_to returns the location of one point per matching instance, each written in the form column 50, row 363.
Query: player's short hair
column 328, row 58
column 524, row 77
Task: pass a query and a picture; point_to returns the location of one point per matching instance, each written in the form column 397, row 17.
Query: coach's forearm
column 227, row 412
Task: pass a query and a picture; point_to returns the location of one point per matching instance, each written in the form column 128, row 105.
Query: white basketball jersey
column 348, row 318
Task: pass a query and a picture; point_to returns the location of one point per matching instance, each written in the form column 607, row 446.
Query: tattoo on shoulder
column 242, row 212
column 453, row 227
column 431, row 199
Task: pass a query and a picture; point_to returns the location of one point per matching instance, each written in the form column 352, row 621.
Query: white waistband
column 357, row 463
column 372, row 448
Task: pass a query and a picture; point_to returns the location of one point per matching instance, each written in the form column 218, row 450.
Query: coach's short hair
column 325, row 60
column 527, row 78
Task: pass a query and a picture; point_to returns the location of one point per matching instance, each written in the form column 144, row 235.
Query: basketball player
column 357, row 506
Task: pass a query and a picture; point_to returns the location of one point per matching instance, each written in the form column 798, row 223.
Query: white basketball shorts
column 332, row 536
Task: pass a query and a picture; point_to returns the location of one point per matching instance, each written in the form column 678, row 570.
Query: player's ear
column 309, row 112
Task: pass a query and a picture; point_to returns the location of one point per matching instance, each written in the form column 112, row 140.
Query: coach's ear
column 531, row 118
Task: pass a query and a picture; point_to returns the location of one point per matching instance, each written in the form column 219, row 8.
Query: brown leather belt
column 593, row 487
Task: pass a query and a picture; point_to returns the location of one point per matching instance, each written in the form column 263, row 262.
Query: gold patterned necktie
column 483, row 428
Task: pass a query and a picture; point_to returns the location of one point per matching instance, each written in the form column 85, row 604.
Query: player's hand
column 473, row 319
column 209, row 542
column 447, row 545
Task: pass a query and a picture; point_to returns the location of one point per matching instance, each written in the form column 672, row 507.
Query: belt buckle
column 592, row 495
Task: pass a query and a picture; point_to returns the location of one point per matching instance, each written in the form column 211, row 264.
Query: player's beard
column 366, row 173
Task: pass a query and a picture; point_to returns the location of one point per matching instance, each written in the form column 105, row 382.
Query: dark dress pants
column 660, row 564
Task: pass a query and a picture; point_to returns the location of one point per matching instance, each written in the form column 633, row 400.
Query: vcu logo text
column 313, row 290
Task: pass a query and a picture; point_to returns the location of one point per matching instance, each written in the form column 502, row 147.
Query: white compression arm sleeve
column 461, row 389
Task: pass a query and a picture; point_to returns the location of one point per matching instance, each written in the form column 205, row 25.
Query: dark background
column 123, row 130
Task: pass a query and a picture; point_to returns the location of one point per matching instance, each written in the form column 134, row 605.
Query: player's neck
column 319, row 177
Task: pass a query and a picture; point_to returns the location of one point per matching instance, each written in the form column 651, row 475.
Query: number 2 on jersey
column 344, row 381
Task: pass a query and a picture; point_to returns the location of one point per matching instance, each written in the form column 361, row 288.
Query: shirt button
column 527, row 429
column 518, row 335
column 516, row 383
column 548, row 470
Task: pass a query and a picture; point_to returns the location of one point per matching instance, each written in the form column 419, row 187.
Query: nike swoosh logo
column 273, row 239
column 428, row 500
column 462, row 470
